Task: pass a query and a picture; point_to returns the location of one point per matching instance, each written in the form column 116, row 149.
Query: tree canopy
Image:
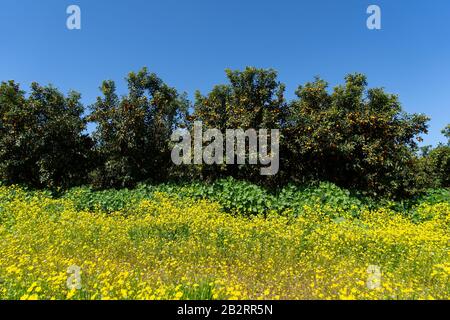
column 352, row 135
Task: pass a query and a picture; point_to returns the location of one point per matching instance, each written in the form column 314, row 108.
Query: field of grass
column 222, row 242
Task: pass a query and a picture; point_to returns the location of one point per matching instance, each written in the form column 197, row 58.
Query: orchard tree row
column 354, row 136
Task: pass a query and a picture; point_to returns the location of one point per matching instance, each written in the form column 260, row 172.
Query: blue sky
column 190, row 43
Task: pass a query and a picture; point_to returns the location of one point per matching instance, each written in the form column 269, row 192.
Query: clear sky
column 190, row 43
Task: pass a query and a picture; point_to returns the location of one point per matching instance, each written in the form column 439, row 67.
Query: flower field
column 167, row 247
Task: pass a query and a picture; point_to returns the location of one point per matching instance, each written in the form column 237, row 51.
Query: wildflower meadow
column 163, row 244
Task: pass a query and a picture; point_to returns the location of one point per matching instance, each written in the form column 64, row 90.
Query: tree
column 133, row 132
column 253, row 99
column 42, row 138
column 355, row 137
column 446, row 133
column 438, row 162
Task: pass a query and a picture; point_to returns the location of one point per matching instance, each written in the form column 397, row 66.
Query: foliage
column 439, row 161
column 189, row 249
column 435, row 164
column 446, row 133
column 42, row 139
column 108, row 201
column 253, row 99
column 356, row 137
column 133, row 132
column 245, row 199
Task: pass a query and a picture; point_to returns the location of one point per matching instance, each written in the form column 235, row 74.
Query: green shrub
column 325, row 194
column 234, row 196
column 242, row 198
column 107, row 200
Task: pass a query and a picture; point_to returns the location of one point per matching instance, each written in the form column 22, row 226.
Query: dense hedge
column 355, row 137
column 244, row 198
